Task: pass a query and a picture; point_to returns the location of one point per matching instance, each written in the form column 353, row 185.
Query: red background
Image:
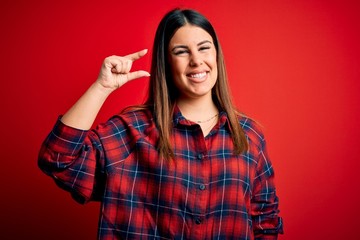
column 293, row 66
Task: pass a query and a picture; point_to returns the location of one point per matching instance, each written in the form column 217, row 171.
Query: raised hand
column 114, row 73
column 115, row 70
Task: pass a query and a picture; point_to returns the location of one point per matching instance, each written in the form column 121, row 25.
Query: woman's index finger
column 136, row 55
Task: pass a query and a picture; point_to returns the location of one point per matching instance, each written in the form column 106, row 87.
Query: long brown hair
column 162, row 93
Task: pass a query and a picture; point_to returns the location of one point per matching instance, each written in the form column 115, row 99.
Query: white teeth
column 198, row 75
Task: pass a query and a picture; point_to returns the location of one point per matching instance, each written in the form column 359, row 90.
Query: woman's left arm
column 264, row 203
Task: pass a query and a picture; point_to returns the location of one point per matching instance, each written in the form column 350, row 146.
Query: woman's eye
column 204, row 48
column 181, row 52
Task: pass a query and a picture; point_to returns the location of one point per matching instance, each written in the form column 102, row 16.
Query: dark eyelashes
column 204, row 48
column 180, row 52
column 187, row 51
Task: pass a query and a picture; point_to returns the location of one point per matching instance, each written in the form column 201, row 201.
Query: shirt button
column 200, row 156
column 202, row 187
column 198, row 221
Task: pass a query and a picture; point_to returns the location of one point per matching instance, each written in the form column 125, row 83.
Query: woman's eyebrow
column 203, row 42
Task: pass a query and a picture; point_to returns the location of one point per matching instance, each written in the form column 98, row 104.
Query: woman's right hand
column 115, row 70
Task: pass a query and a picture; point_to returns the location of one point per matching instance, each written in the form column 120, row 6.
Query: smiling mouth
column 197, row 75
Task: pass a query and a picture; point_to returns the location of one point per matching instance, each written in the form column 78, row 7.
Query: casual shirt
column 205, row 192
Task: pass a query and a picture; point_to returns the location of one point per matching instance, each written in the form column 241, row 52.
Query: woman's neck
column 198, row 109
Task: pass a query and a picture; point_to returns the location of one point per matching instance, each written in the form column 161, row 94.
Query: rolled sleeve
column 70, row 157
column 264, row 204
column 64, row 139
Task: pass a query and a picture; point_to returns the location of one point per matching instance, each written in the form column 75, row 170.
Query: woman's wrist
column 99, row 89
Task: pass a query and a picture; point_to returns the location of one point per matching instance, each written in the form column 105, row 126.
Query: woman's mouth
column 198, row 76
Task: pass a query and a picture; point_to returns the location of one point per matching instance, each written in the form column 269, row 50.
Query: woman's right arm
column 72, row 155
column 114, row 73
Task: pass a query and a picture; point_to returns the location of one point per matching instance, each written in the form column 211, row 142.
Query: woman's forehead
column 190, row 34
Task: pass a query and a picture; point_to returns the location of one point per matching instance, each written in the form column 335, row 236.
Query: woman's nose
column 195, row 60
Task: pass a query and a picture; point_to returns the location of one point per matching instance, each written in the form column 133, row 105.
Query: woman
column 185, row 164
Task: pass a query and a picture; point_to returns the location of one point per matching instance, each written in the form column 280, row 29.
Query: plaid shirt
column 206, row 192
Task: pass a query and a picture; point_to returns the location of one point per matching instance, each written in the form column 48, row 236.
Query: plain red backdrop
column 292, row 65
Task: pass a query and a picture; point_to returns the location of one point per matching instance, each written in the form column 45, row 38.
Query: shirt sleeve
column 73, row 158
column 264, row 203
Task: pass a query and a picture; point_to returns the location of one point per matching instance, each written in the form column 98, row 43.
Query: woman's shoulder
column 135, row 114
column 137, row 117
column 252, row 128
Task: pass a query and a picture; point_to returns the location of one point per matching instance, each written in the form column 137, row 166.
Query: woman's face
column 192, row 57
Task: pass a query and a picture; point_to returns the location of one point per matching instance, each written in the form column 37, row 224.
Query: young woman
column 185, row 164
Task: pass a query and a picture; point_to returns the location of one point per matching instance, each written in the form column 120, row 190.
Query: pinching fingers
column 137, row 74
